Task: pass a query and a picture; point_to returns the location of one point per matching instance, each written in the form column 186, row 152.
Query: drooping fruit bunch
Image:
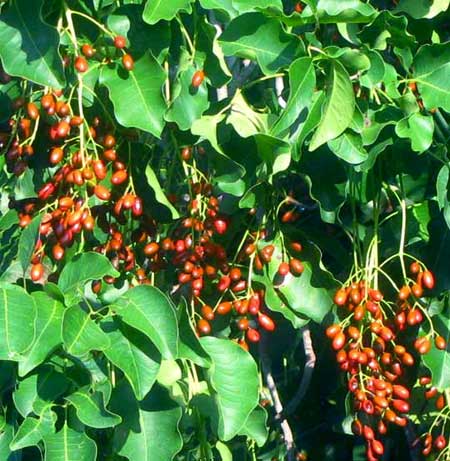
column 375, row 350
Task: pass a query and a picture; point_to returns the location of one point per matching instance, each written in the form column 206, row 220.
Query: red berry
column 127, row 62
column 253, row 335
column 87, row 50
column 36, row 272
column 197, row 78
column 220, row 225
column 266, row 322
column 81, row 65
column 428, row 279
column 283, row 269
column 120, row 42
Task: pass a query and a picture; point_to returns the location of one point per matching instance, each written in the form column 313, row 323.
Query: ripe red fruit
column 119, row 177
column 332, row 331
column 422, row 345
column 32, row 111
column 440, row 343
column 120, row 42
column 220, row 225
column 102, row 192
column 36, row 272
column 62, row 129
column 87, row 50
column 440, row 443
column 340, row 298
column 81, row 65
column 266, row 322
column 296, row 266
column 298, row 7
column 400, row 391
column 203, row 327
column 253, row 335
column 58, row 252
column 414, row 268
column 338, row 341
column 224, row 307
column 243, row 324
column 207, row 312
column 377, row 447
column 99, row 169
column 186, row 153
column 428, row 279
column 197, row 78
column 127, row 62
column 56, row 155
column 283, row 269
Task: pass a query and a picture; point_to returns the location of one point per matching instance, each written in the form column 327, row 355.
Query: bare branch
column 310, row 362
column 284, row 424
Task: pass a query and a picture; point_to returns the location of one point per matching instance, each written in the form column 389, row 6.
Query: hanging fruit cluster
column 374, row 347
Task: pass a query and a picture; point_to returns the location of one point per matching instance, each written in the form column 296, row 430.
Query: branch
column 310, row 362
column 411, row 439
column 284, row 424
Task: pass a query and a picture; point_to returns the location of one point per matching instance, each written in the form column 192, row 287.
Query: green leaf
column 149, row 431
column 155, row 10
column 189, row 103
column 274, row 152
column 312, row 120
column 244, row 6
column 69, row 445
column 160, row 196
column 189, row 346
column 210, row 54
column 302, row 80
column 137, row 95
column 150, row 311
column 6, row 437
column 127, row 21
column 348, row 146
column 80, row 270
column 256, row 426
column 261, row 39
column 420, row 10
column 91, row 409
column 332, row 12
column 17, row 317
column 81, row 334
column 134, row 355
column 419, row 129
column 229, row 380
column 437, row 361
column 442, row 189
column 431, row 70
column 225, row 6
column 33, row 430
column 340, row 105
column 27, row 242
column 9, row 219
column 309, row 293
column 48, row 331
column 37, row 391
column 29, row 46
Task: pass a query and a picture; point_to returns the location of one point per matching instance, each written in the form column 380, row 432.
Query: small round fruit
column 253, row 335
column 428, row 279
column 81, row 65
column 283, row 269
column 296, row 266
column 87, row 50
column 127, row 62
column 36, row 272
column 266, row 322
column 120, row 42
column 102, row 192
column 203, row 327
column 197, row 78
column 440, row 343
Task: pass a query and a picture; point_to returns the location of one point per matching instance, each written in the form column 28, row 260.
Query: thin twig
column 284, row 424
column 310, row 362
column 414, row 447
